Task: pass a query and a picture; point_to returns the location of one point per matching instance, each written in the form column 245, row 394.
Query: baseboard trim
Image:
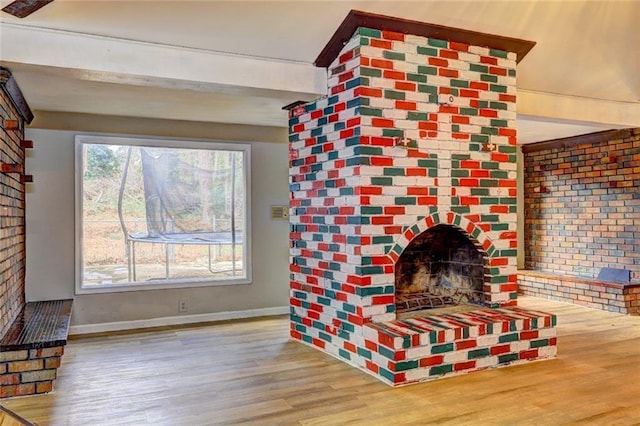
column 106, row 327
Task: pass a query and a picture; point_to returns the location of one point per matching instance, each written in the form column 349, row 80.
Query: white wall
column 50, row 239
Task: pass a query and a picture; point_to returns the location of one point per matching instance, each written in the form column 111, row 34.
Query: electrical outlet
column 183, row 306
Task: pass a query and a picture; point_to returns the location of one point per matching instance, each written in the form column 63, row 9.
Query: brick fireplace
column 403, row 199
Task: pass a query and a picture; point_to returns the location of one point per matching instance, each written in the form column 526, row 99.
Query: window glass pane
column 157, row 214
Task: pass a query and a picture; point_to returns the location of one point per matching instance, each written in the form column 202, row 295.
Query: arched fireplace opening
column 439, row 267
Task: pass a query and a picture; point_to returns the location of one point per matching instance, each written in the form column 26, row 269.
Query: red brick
column 382, row 63
column 431, row 361
column 392, row 35
column 19, row 366
column 382, row 44
column 467, row 365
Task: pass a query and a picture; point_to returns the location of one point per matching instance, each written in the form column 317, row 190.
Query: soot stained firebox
column 440, row 267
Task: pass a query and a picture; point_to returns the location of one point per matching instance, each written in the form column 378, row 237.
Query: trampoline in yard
column 189, row 200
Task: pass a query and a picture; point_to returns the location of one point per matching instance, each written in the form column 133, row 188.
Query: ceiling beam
column 104, row 59
column 563, row 107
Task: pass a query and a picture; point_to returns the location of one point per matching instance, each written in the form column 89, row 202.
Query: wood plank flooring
column 247, row 372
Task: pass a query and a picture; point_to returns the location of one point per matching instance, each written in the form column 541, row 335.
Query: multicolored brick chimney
column 412, row 151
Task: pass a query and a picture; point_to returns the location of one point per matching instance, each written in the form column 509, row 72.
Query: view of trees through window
column 157, row 214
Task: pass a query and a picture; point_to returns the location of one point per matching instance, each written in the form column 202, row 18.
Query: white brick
column 397, row 114
column 484, row 51
column 396, row 191
column 371, row 52
column 383, row 83
column 415, row 40
column 487, row 340
column 420, row 351
column 455, row 356
column 472, row 58
column 436, row 80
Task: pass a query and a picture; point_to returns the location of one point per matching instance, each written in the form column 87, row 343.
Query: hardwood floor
column 247, row 372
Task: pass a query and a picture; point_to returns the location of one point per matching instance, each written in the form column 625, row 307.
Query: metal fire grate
column 417, row 301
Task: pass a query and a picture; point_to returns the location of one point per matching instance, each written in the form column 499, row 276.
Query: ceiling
column 241, row 61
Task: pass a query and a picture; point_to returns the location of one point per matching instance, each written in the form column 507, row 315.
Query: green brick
column 324, row 336
column 455, row 127
column 508, row 253
column 498, row 105
column 459, row 83
column 489, row 165
column 438, row 43
column 394, row 94
column 498, row 53
column 499, row 279
column 503, row 359
column 394, row 56
column 364, row 41
column 478, row 353
column 387, row 374
column 480, row 138
column 440, row 349
column 368, row 150
column 461, row 209
column 460, row 173
column 468, row 111
column 499, row 174
column 489, row 131
column 489, row 78
column 508, row 200
column 425, row 88
column 344, row 354
column 381, row 181
column 418, row 78
column 481, row 192
column 417, row 116
column 393, row 133
column 368, row 32
column 498, row 88
column 427, row 51
column 512, row 73
column 499, row 123
column 423, row 69
column 488, row 200
column 386, row 239
column 373, row 209
column 387, row 353
column 370, row 72
column 427, row 163
column 440, row 370
column 406, row 365
column 393, row 171
column 372, row 112
column 479, row 68
column 405, row 201
column 433, row 173
column 512, row 337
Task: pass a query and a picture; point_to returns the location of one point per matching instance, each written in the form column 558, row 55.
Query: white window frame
column 243, row 148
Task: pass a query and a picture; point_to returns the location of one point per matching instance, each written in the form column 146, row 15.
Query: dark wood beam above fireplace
column 356, row 19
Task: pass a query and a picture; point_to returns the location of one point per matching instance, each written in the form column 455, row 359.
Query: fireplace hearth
column 403, row 204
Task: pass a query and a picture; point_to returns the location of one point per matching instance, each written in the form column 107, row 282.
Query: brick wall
column 12, row 205
column 583, row 206
column 28, row 372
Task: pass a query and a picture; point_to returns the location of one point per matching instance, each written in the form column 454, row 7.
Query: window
column 160, row 214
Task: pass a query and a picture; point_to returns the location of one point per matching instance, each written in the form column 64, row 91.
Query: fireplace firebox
column 440, row 267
